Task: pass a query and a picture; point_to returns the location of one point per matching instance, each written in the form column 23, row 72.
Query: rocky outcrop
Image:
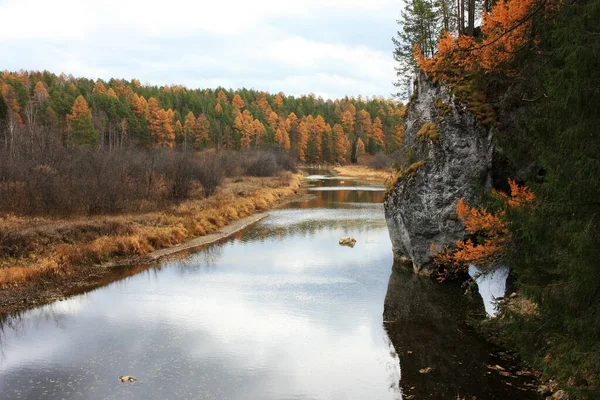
column 447, row 156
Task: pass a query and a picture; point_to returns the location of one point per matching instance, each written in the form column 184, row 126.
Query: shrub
column 380, row 161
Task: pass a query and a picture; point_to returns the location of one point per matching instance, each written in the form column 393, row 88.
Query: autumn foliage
column 489, row 233
column 505, row 30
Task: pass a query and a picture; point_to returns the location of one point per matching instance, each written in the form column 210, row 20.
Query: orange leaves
column 348, row 121
column 161, row 124
column 480, row 220
column 505, row 30
column 80, row 107
column 99, row 88
column 489, row 233
column 376, row 132
column 40, row 92
column 237, row 102
column 218, row 109
column 519, row 195
column 221, row 97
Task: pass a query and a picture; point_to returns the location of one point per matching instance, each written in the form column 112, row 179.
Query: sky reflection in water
column 281, row 311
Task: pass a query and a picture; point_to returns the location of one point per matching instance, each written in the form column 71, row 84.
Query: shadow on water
column 425, row 322
column 278, row 310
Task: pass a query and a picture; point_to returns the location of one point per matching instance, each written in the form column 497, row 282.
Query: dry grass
column 34, row 248
column 363, row 172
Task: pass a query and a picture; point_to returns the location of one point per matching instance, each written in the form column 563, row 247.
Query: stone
column 425, row 370
column 560, row 395
column 127, row 378
column 420, row 207
column 347, row 241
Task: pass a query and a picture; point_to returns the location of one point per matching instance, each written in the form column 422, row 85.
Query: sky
column 331, row 48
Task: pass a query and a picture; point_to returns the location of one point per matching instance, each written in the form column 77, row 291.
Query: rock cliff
column 447, row 156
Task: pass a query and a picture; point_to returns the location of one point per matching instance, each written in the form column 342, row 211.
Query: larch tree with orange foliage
column 237, row 102
column 161, row 124
column 79, row 123
column 376, row 136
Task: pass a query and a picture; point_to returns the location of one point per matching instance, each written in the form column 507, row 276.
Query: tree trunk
column 471, row 18
column 461, row 17
column 445, row 14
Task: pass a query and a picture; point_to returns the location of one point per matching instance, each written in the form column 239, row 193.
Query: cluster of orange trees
column 118, row 112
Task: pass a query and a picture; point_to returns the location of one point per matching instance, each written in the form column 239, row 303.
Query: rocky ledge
column 447, row 156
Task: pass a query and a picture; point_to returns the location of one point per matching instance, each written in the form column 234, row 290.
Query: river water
column 279, row 311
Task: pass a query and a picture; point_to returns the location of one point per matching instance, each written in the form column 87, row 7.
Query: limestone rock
column 439, row 169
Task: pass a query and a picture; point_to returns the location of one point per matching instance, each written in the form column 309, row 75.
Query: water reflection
column 425, row 322
column 279, row 311
column 491, row 286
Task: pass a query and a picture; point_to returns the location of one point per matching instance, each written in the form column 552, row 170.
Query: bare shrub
column 380, row 161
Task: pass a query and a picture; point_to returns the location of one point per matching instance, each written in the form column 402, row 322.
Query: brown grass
column 362, row 172
column 35, row 248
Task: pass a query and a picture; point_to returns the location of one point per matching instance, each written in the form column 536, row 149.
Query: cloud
column 329, row 47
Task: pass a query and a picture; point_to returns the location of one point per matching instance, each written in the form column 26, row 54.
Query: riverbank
column 363, row 173
column 46, row 259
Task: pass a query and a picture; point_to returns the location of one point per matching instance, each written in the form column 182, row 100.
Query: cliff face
column 448, row 156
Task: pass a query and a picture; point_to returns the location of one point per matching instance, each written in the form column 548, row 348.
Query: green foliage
column 83, row 132
column 556, row 248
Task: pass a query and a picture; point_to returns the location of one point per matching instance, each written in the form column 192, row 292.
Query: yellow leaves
column 40, row 92
column 99, row 88
column 237, row 102
column 218, row 109
column 221, row 97
column 376, row 132
column 161, row 124
column 363, row 120
column 79, row 107
column 278, row 100
column 138, row 105
column 399, row 134
column 348, row 122
column 112, row 94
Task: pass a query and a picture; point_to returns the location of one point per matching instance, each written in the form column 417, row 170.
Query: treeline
column 118, row 113
column 532, row 69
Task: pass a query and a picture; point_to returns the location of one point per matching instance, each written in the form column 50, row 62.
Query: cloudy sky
column 330, row 47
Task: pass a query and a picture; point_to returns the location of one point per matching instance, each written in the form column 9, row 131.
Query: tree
column 189, row 128
column 13, row 117
column 201, row 133
column 237, row 102
column 79, row 123
column 419, row 24
column 340, row 143
column 376, row 136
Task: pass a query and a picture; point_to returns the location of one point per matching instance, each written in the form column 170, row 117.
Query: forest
column 115, row 114
column 529, row 70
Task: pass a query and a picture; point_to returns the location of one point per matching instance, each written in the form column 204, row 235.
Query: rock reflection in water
column 425, row 323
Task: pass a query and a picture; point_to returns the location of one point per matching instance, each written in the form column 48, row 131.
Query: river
column 278, row 311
